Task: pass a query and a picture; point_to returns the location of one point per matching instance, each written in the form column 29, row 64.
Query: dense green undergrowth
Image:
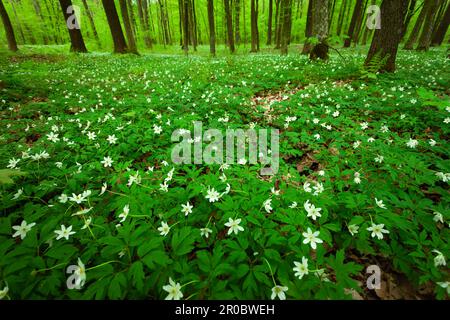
column 371, row 154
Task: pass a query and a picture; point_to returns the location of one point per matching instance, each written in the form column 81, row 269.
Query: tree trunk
column 279, row 23
column 356, row 13
column 120, row 45
column 12, row 44
column 308, row 30
column 269, row 24
column 341, row 17
column 285, row 35
column 185, row 26
column 76, row 39
column 411, row 11
column 212, row 28
column 416, row 30
column 237, row 13
column 128, row 28
column 386, row 40
column 91, row 22
column 427, row 31
column 439, row 35
column 229, row 20
column 37, row 9
column 254, row 26
column 320, row 29
column 143, row 22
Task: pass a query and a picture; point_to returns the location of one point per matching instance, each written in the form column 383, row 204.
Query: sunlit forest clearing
column 94, row 204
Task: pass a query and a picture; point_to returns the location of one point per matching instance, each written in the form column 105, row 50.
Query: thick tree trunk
column 76, row 39
column 212, row 28
column 12, row 44
column 128, row 28
column 269, row 24
column 91, row 22
column 439, row 35
column 309, row 27
column 229, row 20
column 120, row 45
column 416, row 30
column 386, row 40
column 356, row 14
column 427, row 31
column 320, row 29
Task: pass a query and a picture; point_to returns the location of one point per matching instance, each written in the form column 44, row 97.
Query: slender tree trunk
column 439, row 35
column 18, row 23
column 427, row 31
column 416, row 30
column 37, row 9
column 356, row 13
column 91, row 22
column 309, row 28
column 411, row 11
column 254, row 26
column 229, row 20
column 269, row 24
column 120, row 45
column 128, row 28
column 70, row 20
column 278, row 23
column 237, row 14
column 186, row 26
column 12, row 44
column 386, row 40
column 143, row 22
column 212, row 28
column 341, row 17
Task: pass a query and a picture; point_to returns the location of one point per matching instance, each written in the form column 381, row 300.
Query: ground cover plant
column 87, row 178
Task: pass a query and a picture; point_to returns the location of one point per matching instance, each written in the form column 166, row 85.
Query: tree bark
column 386, row 40
column 12, row 44
column 76, row 38
column 120, row 45
column 439, row 35
column 320, row 29
column 212, row 28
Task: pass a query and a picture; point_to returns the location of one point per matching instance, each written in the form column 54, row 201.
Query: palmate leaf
column 7, row 174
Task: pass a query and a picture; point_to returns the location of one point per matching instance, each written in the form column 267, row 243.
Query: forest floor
column 86, row 145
